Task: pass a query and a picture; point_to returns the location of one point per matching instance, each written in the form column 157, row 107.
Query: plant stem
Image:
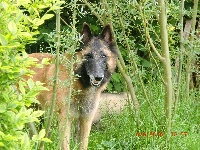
column 127, row 78
column 166, row 66
column 180, row 60
column 55, row 80
column 71, row 78
column 190, row 53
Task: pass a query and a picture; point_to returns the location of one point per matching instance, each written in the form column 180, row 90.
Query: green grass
column 120, row 132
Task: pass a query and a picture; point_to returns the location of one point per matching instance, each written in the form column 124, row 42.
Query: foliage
column 19, row 21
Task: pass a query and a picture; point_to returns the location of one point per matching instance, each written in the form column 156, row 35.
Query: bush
column 19, row 21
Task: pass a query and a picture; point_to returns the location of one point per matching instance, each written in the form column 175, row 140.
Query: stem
column 189, row 60
column 180, row 60
column 55, row 81
column 147, row 32
column 127, row 78
column 166, row 66
column 71, row 77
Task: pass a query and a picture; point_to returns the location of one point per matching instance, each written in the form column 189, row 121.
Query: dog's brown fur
column 85, row 104
column 111, row 103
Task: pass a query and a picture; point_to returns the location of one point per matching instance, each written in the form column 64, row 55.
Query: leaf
column 12, row 27
column 25, row 34
column 23, row 2
column 37, row 113
column 25, row 142
column 3, row 40
column 30, row 83
column 21, row 88
column 146, row 63
column 4, row 5
column 1, row 144
column 37, row 22
column 47, row 16
column 45, row 61
column 116, row 77
column 41, row 134
column 2, row 107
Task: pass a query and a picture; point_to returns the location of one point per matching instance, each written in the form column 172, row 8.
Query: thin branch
column 162, row 59
column 93, row 12
column 189, row 60
column 160, row 75
column 55, row 79
column 71, row 79
column 129, row 49
column 180, row 59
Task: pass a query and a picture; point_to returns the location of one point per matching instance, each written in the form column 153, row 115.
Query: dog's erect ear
column 86, row 32
column 106, row 34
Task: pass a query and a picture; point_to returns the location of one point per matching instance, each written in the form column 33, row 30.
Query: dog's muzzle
column 96, row 81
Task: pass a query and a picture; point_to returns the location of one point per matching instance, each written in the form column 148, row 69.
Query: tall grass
column 120, row 131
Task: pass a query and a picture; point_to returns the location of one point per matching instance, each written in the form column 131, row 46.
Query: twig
column 189, row 60
column 180, row 61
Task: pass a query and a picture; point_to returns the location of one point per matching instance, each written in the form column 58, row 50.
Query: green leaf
column 4, row 5
column 3, row 107
column 41, row 134
column 12, row 27
column 47, row 16
column 30, row 83
column 21, row 88
column 116, row 77
column 25, row 142
column 38, row 22
column 3, row 40
column 37, row 113
column 1, row 144
column 146, row 63
column 23, row 2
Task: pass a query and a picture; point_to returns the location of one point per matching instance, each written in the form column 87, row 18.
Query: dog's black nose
column 98, row 78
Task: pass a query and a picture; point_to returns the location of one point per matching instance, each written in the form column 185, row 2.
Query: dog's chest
column 86, row 102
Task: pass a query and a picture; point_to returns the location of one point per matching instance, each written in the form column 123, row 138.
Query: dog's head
column 98, row 56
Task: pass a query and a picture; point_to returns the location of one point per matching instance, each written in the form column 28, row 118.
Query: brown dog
column 111, row 103
column 98, row 62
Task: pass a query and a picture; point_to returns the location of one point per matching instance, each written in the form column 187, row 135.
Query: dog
column 97, row 62
column 111, row 103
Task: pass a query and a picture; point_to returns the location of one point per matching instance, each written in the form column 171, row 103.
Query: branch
column 94, row 13
column 162, row 59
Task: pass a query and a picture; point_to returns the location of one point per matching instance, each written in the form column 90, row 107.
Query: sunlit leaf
column 47, row 16
column 12, row 27
column 2, row 107
column 3, row 40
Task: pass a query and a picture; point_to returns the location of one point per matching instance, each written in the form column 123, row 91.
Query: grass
column 120, row 132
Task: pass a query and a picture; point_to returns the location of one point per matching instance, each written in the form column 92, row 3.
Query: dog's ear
column 106, row 34
column 86, row 32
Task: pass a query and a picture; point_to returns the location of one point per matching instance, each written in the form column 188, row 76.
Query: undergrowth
column 120, row 131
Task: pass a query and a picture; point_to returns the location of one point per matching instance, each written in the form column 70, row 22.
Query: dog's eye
column 103, row 56
column 88, row 56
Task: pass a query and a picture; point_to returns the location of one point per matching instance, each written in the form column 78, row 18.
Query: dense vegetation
column 30, row 26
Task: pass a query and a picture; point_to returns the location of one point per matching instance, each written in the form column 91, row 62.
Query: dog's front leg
column 85, row 127
column 65, row 124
